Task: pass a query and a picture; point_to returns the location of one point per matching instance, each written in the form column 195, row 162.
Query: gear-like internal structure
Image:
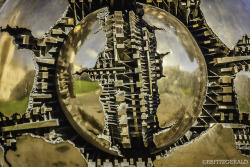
column 123, row 54
column 124, row 83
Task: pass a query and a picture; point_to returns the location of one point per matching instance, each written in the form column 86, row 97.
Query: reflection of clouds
column 150, row 18
column 228, row 16
column 91, row 53
column 23, row 58
column 33, row 16
column 168, row 41
column 19, row 58
column 88, row 53
column 95, row 27
column 172, row 40
column 245, row 73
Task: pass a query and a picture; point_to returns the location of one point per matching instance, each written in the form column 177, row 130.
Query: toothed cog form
column 131, row 78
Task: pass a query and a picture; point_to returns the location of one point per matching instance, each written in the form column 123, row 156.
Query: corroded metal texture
column 182, row 88
column 227, row 18
column 35, row 151
column 33, row 16
column 17, row 75
column 242, row 85
column 216, row 144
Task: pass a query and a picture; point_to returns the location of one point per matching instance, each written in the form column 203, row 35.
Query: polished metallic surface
column 2, row 159
column 183, row 72
column 91, row 42
column 35, row 151
column 33, row 16
column 2, row 3
column 117, row 83
column 217, row 143
column 242, row 87
column 80, row 52
column 17, row 75
column 183, row 85
column 228, row 19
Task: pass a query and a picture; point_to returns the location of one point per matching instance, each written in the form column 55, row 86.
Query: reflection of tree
column 177, row 91
column 242, row 86
column 84, row 76
column 87, row 102
column 178, row 81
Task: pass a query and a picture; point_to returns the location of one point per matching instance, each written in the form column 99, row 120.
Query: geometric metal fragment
column 17, row 76
column 127, row 60
column 130, row 84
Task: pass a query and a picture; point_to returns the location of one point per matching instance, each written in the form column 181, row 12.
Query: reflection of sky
column 88, row 53
column 23, row 58
column 245, row 73
column 168, row 41
column 229, row 19
column 33, row 16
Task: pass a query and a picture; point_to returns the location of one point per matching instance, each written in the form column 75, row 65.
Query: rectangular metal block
column 32, row 125
column 45, row 61
column 231, row 116
column 226, row 79
column 227, row 89
column 119, row 83
column 227, row 98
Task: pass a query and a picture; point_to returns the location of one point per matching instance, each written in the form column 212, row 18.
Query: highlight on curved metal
column 83, row 108
column 50, row 154
column 131, row 82
column 183, row 76
column 182, row 88
column 227, row 19
column 25, row 17
column 17, row 75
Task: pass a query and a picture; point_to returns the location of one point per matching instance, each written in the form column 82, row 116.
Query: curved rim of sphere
column 175, row 132
column 73, row 115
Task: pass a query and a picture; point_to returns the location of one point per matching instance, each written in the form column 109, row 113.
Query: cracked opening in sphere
column 137, row 80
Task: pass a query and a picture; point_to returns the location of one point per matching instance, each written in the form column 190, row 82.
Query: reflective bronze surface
column 183, row 78
column 217, row 144
column 17, row 74
column 127, row 86
column 2, row 159
column 228, row 19
column 80, row 52
column 38, row 16
column 35, row 151
column 91, row 42
column 183, row 85
column 242, row 89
